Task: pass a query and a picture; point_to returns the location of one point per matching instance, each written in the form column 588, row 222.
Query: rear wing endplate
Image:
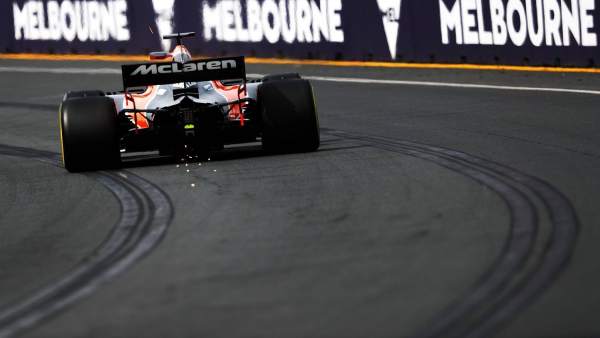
column 148, row 74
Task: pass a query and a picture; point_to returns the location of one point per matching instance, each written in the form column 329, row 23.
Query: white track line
column 84, row 71
column 113, row 71
column 450, row 85
column 442, row 84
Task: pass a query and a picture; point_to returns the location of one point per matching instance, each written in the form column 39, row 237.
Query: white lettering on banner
column 164, row 10
column 390, row 10
column 539, row 22
column 69, row 20
column 303, row 21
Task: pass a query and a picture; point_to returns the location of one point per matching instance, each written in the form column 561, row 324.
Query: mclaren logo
column 172, row 68
column 390, row 9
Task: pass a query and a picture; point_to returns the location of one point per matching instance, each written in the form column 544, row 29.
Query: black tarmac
column 427, row 212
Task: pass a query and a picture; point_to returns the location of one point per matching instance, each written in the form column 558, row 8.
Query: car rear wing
column 148, row 74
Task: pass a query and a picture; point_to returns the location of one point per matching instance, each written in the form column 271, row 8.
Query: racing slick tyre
column 89, row 134
column 289, row 118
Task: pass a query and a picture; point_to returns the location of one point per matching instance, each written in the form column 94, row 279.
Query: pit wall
column 510, row 32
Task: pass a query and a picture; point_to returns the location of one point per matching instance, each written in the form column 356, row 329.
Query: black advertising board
column 518, row 32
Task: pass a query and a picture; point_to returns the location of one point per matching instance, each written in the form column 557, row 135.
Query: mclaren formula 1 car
column 186, row 108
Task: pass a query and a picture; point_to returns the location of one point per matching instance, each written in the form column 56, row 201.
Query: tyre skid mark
column 499, row 294
column 508, row 286
column 146, row 213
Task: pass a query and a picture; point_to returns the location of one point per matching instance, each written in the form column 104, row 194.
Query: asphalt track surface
column 429, row 211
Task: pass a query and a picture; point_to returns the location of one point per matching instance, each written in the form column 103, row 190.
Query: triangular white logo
column 390, row 9
column 164, row 12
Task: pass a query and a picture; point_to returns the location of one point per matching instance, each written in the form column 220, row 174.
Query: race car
column 186, row 108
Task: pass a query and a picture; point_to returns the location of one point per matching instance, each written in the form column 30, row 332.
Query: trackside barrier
column 512, row 32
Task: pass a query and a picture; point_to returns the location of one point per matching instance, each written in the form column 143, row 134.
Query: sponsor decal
column 171, row 68
column 516, row 22
column 71, row 20
column 390, row 9
column 290, row 21
column 164, row 10
column 147, row 74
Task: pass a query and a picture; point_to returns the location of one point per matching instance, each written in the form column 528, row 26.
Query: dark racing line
column 497, row 305
column 146, row 213
column 502, row 291
column 510, row 284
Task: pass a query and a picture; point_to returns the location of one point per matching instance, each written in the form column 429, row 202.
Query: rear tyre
column 289, row 118
column 89, row 134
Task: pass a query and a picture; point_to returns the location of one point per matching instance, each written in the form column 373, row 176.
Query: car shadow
column 231, row 153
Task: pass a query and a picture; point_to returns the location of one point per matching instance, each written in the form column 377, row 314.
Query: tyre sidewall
column 89, row 134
